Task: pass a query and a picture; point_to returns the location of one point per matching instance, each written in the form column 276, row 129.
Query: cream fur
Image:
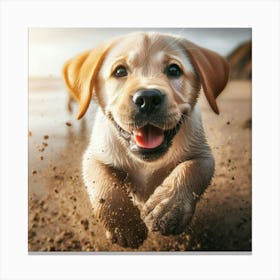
column 163, row 191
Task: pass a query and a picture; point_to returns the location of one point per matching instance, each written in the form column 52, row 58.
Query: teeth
column 134, row 148
column 125, row 134
column 133, row 145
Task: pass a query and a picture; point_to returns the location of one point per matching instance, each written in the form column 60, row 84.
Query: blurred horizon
column 49, row 48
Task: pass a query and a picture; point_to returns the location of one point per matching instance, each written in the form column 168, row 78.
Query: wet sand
column 60, row 217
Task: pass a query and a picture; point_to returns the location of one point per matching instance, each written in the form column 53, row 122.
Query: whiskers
column 166, row 123
column 174, row 130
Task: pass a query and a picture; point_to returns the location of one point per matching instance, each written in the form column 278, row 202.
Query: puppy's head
column 146, row 83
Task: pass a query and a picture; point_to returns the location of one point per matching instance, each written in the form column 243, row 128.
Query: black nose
column 148, row 101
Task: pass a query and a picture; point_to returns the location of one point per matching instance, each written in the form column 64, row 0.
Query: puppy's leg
column 112, row 205
column 170, row 208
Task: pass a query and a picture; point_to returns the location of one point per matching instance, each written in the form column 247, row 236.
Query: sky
column 49, row 48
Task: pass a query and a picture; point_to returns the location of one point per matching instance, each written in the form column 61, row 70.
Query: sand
column 60, row 217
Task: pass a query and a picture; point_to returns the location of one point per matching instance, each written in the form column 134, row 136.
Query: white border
column 18, row 16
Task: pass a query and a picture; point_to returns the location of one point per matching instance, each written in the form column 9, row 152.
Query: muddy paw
column 169, row 216
column 125, row 226
column 132, row 237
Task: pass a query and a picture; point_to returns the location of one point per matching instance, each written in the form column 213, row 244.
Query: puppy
column 148, row 160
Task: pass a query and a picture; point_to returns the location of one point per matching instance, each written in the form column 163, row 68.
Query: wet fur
column 128, row 194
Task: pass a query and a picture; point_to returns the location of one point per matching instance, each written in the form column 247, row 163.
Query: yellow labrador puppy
column 148, row 160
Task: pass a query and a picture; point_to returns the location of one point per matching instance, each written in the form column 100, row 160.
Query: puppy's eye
column 173, row 71
column 120, row 71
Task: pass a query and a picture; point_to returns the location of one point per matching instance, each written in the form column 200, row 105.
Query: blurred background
column 50, row 48
column 60, row 217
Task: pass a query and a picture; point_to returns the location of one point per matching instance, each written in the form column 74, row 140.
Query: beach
column 59, row 211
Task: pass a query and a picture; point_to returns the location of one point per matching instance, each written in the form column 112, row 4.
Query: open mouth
column 148, row 137
column 149, row 142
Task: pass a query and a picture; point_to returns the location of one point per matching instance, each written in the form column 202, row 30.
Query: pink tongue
column 148, row 137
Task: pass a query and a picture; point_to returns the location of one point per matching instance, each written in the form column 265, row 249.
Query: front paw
column 125, row 227
column 168, row 213
column 131, row 236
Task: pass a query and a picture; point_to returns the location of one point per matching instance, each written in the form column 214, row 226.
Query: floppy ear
column 79, row 74
column 212, row 69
